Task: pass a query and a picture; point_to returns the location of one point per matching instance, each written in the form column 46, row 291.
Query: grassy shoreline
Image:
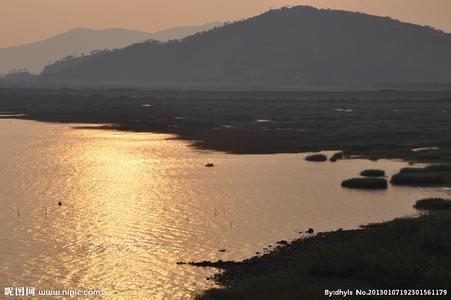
column 406, row 253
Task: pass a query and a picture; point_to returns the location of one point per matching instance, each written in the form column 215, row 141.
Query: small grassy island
column 433, row 204
column 316, row 158
column 427, row 176
column 372, row 173
column 416, row 179
column 366, row 183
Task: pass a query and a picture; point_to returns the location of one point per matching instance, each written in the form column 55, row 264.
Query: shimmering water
column 135, row 204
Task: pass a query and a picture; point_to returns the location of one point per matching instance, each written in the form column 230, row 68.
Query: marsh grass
column 302, row 122
column 417, row 179
column 410, row 170
column 427, row 169
column 431, row 175
column 373, row 173
column 316, row 158
column 403, row 253
column 438, row 168
column 368, row 183
column 433, row 204
column 337, row 156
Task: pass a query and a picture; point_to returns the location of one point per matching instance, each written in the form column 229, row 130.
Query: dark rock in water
column 222, row 250
column 316, row 158
column 282, row 242
column 310, row 231
column 373, row 173
column 60, row 203
column 209, row 165
column 369, row 183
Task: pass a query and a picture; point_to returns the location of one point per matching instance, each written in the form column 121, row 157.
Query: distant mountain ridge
column 289, row 47
column 35, row 56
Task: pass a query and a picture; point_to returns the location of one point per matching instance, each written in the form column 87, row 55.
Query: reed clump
column 316, row 158
column 433, row 204
column 373, row 173
column 417, row 179
column 365, row 183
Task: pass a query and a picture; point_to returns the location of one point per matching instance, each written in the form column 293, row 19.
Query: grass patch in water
column 373, row 173
column 366, row 183
column 316, row 158
column 337, row 156
column 427, row 169
column 433, row 204
column 409, row 170
column 438, row 174
column 417, row 179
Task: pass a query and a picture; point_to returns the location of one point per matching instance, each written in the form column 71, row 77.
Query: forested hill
column 288, row 47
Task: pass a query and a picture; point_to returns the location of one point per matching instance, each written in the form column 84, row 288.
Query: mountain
column 35, row 56
column 289, row 47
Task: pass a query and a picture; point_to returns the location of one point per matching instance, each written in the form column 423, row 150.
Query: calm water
column 135, row 204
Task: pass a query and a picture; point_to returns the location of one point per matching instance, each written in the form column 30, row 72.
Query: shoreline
column 362, row 259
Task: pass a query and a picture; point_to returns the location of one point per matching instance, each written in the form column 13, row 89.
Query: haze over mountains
column 35, row 56
column 289, row 47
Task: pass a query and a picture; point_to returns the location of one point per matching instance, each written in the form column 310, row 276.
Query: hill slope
column 35, row 56
column 299, row 46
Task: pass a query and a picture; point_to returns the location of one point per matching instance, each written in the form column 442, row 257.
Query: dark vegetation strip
column 385, row 124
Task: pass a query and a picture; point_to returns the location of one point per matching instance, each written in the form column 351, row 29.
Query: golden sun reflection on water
column 120, row 214
column 135, row 204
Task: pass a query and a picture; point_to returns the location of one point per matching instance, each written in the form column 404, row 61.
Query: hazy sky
column 23, row 21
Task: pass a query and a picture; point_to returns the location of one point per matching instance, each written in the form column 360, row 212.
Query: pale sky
column 23, row 21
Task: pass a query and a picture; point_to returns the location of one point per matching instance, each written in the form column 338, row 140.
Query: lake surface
column 133, row 204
